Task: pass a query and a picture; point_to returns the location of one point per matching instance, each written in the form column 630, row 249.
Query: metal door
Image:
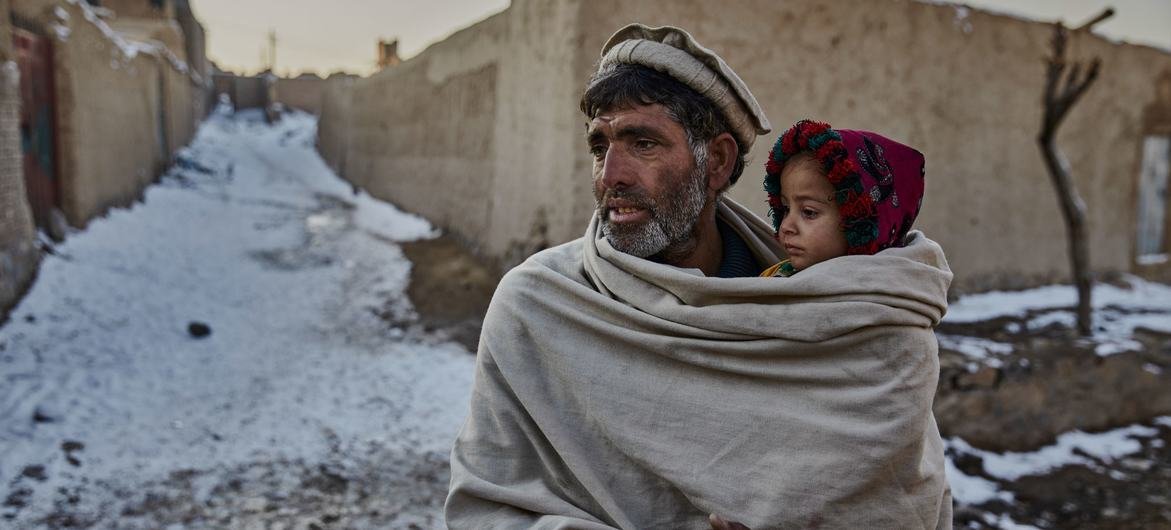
column 37, row 123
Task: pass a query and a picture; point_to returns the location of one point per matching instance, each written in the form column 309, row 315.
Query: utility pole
column 272, row 50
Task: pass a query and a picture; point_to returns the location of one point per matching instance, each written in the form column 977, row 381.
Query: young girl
column 834, row 192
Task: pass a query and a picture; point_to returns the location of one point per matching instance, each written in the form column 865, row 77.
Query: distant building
column 388, row 54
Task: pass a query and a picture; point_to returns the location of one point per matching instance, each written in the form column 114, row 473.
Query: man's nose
column 617, row 171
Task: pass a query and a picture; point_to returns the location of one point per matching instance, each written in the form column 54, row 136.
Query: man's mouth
column 626, row 214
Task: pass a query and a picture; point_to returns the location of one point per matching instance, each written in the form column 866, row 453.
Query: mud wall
column 477, row 133
column 301, row 93
column 333, row 125
column 106, row 84
column 18, row 254
column 961, row 85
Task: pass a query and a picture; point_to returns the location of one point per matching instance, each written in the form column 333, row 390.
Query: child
column 834, row 192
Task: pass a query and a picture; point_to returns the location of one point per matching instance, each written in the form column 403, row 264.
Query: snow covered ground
column 1118, row 312
column 309, row 390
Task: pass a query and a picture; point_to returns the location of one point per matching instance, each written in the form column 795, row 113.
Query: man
column 642, row 377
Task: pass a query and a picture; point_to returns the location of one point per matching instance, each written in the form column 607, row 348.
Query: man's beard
column 673, row 216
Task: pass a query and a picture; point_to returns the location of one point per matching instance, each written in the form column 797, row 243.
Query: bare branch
column 1089, row 24
column 1064, row 83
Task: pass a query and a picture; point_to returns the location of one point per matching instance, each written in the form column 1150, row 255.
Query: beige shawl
column 612, row 391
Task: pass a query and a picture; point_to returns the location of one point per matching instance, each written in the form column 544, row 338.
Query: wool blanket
column 615, row 392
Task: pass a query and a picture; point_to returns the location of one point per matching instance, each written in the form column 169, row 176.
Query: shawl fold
column 615, row 392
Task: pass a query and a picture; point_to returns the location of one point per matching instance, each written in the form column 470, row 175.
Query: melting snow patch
column 966, row 489
column 1152, row 259
column 1004, row 522
column 1062, row 318
column 1109, row 347
column 985, row 306
column 1068, row 450
column 962, row 19
column 1118, row 311
column 976, row 348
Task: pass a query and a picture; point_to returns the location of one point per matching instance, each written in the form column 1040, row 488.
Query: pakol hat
column 878, row 182
column 675, row 52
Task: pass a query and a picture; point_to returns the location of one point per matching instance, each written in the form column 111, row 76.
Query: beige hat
column 675, row 52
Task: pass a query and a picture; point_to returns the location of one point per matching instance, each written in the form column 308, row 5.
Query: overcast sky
column 322, row 37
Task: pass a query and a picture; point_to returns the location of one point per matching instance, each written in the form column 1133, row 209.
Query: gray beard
column 673, row 217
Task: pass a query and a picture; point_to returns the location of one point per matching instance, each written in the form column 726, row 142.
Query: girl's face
column 810, row 224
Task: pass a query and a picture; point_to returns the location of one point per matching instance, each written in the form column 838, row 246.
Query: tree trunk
column 1073, row 209
column 1064, row 85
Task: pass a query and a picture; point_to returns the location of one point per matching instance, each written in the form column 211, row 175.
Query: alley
column 235, row 350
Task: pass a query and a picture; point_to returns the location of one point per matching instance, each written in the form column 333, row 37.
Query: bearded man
column 643, row 376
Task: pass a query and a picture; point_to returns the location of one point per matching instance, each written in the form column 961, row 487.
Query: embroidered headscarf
column 878, row 182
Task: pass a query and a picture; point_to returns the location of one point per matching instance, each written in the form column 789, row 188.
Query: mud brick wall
column 481, row 132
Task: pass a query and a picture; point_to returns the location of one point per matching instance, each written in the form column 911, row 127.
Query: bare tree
column 1064, row 85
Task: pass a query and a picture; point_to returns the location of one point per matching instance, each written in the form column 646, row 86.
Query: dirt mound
column 450, row 287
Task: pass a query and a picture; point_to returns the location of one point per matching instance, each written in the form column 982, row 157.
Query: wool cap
column 675, row 52
column 878, row 182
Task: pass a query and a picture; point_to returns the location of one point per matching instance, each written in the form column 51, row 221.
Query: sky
column 322, row 37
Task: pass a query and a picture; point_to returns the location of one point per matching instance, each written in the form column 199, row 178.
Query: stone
column 198, row 330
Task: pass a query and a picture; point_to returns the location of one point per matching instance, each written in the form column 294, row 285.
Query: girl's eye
column 783, row 210
column 809, row 213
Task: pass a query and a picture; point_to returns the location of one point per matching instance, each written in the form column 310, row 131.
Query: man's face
column 647, row 185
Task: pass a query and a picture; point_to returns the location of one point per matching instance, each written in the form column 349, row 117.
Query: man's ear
column 722, row 155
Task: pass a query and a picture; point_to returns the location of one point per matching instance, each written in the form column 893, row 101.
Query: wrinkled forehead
column 650, row 118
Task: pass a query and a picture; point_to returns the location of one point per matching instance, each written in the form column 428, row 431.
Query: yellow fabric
column 775, row 270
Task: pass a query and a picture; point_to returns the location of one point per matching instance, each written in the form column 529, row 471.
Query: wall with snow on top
column 123, row 106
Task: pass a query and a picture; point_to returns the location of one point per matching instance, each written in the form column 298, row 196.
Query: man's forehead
column 632, row 115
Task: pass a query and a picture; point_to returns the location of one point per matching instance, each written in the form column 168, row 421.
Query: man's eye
column 644, row 144
column 598, row 151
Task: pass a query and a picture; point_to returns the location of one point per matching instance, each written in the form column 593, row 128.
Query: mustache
column 638, row 199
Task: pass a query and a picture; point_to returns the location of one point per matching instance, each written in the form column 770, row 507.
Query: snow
column 11, row 75
column 966, row 489
column 1118, row 312
column 1152, row 259
column 311, row 351
column 61, row 31
column 962, row 19
column 1105, row 349
column 1004, row 522
column 1141, row 294
column 976, row 348
column 129, row 48
column 1074, row 447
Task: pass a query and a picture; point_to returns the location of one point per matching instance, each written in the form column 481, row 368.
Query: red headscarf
column 878, row 182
